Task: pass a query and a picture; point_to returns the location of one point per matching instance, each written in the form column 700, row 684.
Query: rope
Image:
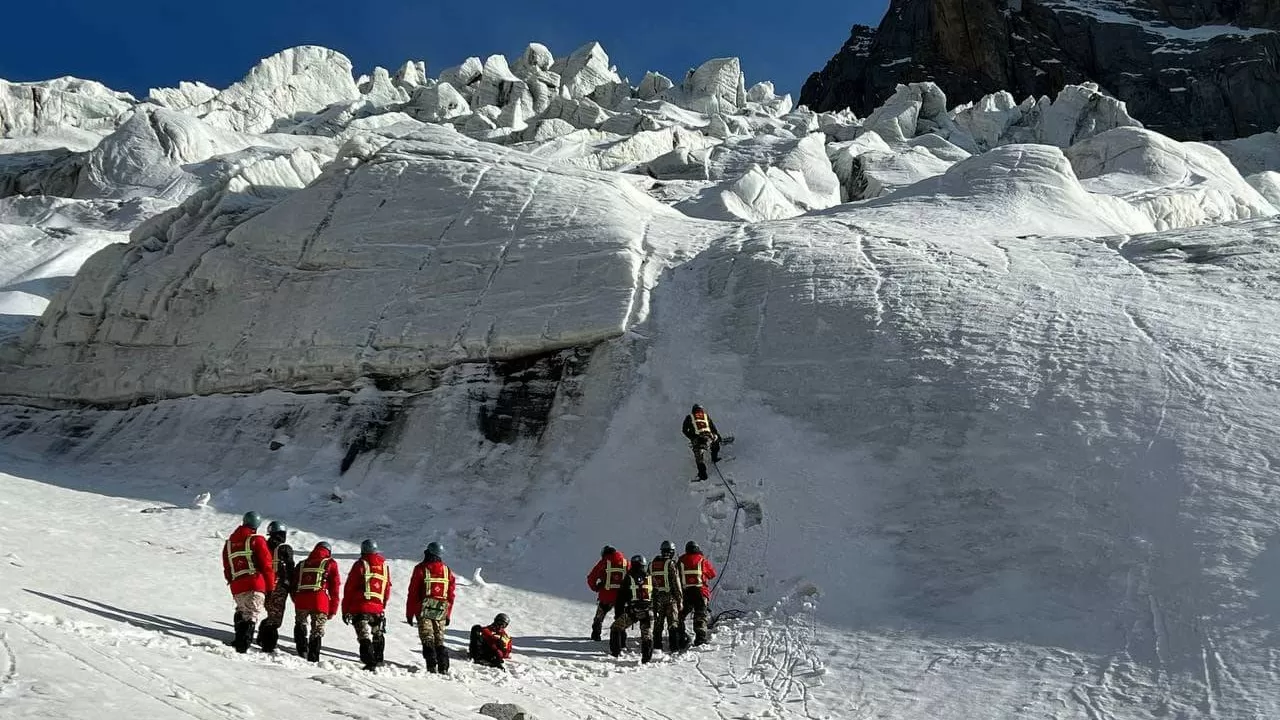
column 733, row 528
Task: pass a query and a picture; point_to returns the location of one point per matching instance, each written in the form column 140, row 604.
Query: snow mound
column 433, row 226
column 1254, row 154
column 1268, row 185
column 1175, row 184
column 1011, row 190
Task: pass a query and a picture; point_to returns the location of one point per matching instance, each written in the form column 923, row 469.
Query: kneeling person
column 635, row 605
column 490, row 644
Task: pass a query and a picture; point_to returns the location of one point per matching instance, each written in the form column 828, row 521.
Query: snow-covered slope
column 1001, row 447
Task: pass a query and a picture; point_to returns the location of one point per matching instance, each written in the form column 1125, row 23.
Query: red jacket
column 696, row 571
column 317, row 582
column 247, row 563
column 368, row 586
column 497, row 639
column 607, row 576
column 442, row 586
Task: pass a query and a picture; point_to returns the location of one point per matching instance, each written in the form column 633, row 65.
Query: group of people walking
column 263, row 577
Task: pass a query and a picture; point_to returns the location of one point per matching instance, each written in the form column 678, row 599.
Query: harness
column 610, row 570
column 701, row 422
column 436, row 605
column 660, row 573
column 245, row 568
column 691, row 576
column 375, row 582
column 317, row 576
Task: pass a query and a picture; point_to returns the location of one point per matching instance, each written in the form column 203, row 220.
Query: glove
column 446, row 622
column 409, row 620
column 346, row 618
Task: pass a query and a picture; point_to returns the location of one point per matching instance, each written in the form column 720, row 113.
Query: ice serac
column 767, row 179
column 585, row 70
column 65, row 102
column 714, row 86
column 293, row 82
column 1174, row 184
column 186, row 95
column 1190, row 69
column 429, row 227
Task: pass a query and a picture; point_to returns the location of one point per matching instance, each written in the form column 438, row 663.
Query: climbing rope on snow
column 733, row 529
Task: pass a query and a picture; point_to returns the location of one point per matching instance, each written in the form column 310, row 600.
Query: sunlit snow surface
column 1002, row 380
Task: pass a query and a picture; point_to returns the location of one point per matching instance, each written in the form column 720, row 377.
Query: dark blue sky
column 134, row 45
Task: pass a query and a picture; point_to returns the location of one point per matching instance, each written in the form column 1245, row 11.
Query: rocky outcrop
column 1190, row 69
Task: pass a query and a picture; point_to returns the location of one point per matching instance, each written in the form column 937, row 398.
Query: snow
column 1001, row 379
column 1253, row 154
column 1175, row 184
column 1116, row 12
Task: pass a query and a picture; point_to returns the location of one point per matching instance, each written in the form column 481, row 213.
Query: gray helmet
column 434, row 549
column 368, row 547
column 667, row 549
column 692, row 547
column 322, row 545
column 277, row 527
column 501, row 619
column 607, row 550
column 696, row 407
column 252, row 520
column 638, row 560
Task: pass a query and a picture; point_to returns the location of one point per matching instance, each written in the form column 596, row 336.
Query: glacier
column 1001, row 378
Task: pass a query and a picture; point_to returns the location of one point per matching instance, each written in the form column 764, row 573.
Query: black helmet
column 321, row 545
column 667, row 549
column 696, row 407
column 692, row 547
column 277, row 527
column 501, row 620
column 251, row 520
column 638, row 565
column 368, row 547
column 434, row 549
column 608, row 550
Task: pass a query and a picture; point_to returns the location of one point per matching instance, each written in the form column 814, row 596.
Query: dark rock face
column 1191, row 69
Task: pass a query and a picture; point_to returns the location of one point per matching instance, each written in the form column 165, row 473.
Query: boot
column 595, row 631
column 615, row 642
column 379, row 646
column 268, row 637
column 702, row 472
column 646, row 650
column 699, row 638
column 624, row 640
column 429, row 655
column 366, row 654
column 242, row 640
column 249, row 627
column 442, row 659
column 473, row 648
column 679, row 638
column 313, row 650
column 657, row 640
column 300, row 640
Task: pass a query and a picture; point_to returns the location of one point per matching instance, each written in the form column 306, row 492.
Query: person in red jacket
column 364, row 602
column 696, row 573
column 605, row 579
column 491, row 645
column 430, row 603
column 315, row 599
column 249, row 571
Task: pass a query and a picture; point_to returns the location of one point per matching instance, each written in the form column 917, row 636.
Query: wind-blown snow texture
column 1002, row 380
